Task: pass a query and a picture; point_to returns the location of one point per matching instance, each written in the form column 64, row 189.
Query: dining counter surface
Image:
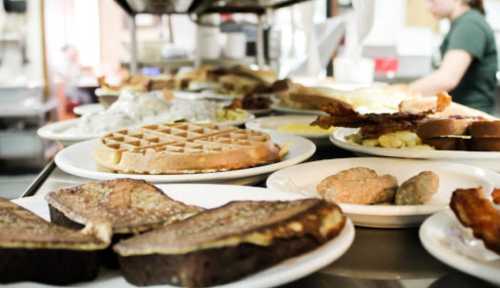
column 377, row 258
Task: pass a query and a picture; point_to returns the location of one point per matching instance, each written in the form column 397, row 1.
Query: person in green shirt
column 469, row 56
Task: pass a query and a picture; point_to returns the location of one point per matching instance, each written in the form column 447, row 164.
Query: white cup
column 207, row 42
column 352, row 70
column 235, row 47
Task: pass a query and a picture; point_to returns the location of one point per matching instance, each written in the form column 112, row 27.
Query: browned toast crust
column 131, row 206
column 32, row 249
column 247, row 236
column 485, row 129
column 442, row 127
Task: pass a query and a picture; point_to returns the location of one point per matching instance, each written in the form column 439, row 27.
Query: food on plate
column 297, row 96
column 255, row 102
column 485, row 135
column 461, row 133
column 236, row 85
column 475, row 211
column 257, row 99
column 130, row 109
column 133, row 109
column 399, row 139
column 417, row 190
column 246, row 236
column 379, row 99
column 139, row 83
column 496, row 195
column 373, row 125
column 222, row 115
column 415, row 105
column 445, row 134
column 414, row 125
column 131, row 206
column 182, row 148
column 358, row 185
column 233, row 81
column 240, row 79
column 303, row 128
column 361, row 185
column 32, row 249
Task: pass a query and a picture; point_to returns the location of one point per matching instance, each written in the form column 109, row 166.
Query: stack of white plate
column 64, row 131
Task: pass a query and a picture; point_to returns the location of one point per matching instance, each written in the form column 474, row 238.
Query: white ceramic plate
column 59, row 131
column 305, row 177
column 217, row 195
column 88, row 108
column 78, row 160
column 488, row 160
column 436, row 238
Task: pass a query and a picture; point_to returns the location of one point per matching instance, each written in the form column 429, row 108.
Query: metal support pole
column 330, row 6
column 133, row 45
column 260, row 42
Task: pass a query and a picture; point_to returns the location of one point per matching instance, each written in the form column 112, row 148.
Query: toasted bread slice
column 447, row 127
column 485, row 129
column 32, row 249
column 247, row 236
column 447, row 143
column 131, row 206
column 485, row 144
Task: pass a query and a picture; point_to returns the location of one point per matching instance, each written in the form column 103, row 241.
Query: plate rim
column 335, row 248
column 340, row 141
column 449, row 256
column 196, row 177
column 397, row 211
column 47, row 131
column 77, row 109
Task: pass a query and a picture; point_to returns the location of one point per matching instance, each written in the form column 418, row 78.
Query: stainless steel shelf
column 133, row 7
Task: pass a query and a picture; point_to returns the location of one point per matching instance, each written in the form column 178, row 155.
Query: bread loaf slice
column 227, row 243
column 131, row 206
column 485, row 129
column 448, row 127
column 32, row 249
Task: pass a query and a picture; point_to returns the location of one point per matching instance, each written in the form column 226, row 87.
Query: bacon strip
column 475, row 211
column 375, row 124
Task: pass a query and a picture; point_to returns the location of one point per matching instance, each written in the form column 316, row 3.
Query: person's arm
column 447, row 77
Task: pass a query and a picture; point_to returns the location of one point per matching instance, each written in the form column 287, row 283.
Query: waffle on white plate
column 183, row 148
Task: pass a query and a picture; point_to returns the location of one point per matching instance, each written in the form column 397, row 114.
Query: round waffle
column 182, row 148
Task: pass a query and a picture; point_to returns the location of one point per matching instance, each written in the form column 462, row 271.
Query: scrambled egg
column 400, row 139
column 231, row 115
column 303, row 128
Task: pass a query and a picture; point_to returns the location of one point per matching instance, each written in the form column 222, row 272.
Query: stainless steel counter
column 377, row 258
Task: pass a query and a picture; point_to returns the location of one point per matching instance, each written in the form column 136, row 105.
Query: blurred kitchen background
column 52, row 51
